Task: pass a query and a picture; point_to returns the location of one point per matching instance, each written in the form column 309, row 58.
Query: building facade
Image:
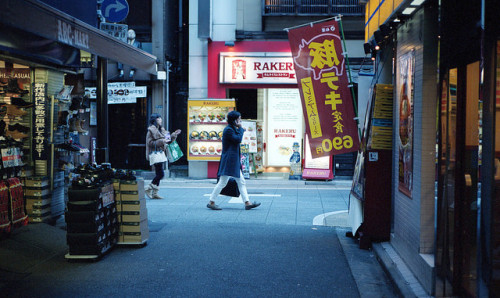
column 443, row 191
column 226, row 36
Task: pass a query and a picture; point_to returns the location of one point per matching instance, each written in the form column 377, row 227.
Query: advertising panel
column 284, row 125
column 206, row 123
column 317, row 168
column 405, row 107
column 322, row 80
column 238, row 68
column 250, row 135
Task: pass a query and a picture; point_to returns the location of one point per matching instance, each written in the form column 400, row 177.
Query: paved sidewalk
column 292, row 202
column 304, row 204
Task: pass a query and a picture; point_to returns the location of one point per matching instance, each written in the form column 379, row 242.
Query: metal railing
column 312, row 7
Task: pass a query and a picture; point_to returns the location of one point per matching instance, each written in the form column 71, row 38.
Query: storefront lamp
column 229, row 43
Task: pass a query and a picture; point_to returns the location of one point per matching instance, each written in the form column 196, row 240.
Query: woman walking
column 230, row 162
column 157, row 138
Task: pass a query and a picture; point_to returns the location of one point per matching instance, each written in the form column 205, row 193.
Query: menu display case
column 206, row 122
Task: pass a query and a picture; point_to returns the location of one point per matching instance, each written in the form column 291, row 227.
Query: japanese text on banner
column 326, row 98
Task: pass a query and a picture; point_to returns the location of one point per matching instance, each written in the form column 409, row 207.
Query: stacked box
column 38, row 199
column 133, row 212
column 92, row 221
column 116, row 188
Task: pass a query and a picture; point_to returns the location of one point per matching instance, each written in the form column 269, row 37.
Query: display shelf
column 209, row 141
column 206, row 122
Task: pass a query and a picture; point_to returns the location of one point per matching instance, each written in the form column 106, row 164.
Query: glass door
column 446, row 183
column 458, row 166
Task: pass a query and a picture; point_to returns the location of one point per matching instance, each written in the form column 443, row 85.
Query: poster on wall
column 250, row 135
column 316, row 168
column 284, row 125
column 322, row 80
column 405, row 76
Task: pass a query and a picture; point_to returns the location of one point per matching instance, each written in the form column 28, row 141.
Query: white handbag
column 157, row 156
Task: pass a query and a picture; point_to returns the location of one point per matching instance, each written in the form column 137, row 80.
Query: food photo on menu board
column 250, row 135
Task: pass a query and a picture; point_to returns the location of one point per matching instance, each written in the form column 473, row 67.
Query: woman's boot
column 149, row 190
column 155, row 192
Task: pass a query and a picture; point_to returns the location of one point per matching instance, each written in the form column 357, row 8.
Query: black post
column 102, row 153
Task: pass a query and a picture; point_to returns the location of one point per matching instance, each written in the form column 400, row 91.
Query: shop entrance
column 246, row 102
column 278, row 119
column 127, row 134
column 458, row 171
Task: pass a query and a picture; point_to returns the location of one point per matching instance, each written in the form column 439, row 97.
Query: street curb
column 390, row 268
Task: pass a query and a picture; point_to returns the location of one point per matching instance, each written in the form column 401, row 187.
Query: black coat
column 230, row 162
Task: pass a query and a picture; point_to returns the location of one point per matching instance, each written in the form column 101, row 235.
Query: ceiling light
column 408, row 10
column 417, row 2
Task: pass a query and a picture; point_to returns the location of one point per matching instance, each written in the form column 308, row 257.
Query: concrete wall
column 413, row 234
column 224, row 15
column 249, row 15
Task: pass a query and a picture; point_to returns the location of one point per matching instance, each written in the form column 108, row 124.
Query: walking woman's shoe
column 253, row 205
column 149, row 191
column 213, row 206
column 154, row 193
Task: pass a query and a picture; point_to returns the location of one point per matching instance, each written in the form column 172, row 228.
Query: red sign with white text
column 322, row 80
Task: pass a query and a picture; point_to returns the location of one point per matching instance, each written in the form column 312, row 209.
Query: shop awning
column 48, row 22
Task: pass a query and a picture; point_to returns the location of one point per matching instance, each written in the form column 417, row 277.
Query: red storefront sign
column 322, row 80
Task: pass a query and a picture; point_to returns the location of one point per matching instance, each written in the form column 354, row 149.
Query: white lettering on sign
column 39, row 139
column 71, row 36
column 266, row 69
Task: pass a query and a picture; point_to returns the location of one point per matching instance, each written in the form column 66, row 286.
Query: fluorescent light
column 396, row 20
column 408, row 10
column 417, row 2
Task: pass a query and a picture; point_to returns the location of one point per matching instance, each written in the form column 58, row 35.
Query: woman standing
column 230, row 162
column 157, row 139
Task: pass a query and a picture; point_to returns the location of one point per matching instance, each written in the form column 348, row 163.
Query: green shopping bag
column 174, row 152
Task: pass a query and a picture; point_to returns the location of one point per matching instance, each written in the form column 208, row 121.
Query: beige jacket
column 155, row 139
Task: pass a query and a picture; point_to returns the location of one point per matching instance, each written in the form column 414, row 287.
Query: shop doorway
column 458, row 171
column 127, row 135
column 246, row 102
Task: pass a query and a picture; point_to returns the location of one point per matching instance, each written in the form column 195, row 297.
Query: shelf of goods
column 12, row 207
column 206, row 122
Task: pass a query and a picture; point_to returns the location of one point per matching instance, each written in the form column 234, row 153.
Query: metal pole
column 167, row 96
column 102, row 111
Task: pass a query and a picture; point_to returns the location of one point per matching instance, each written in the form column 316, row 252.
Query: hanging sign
column 40, row 122
column 404, row 93
column 322, row 80
column 120, row 93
